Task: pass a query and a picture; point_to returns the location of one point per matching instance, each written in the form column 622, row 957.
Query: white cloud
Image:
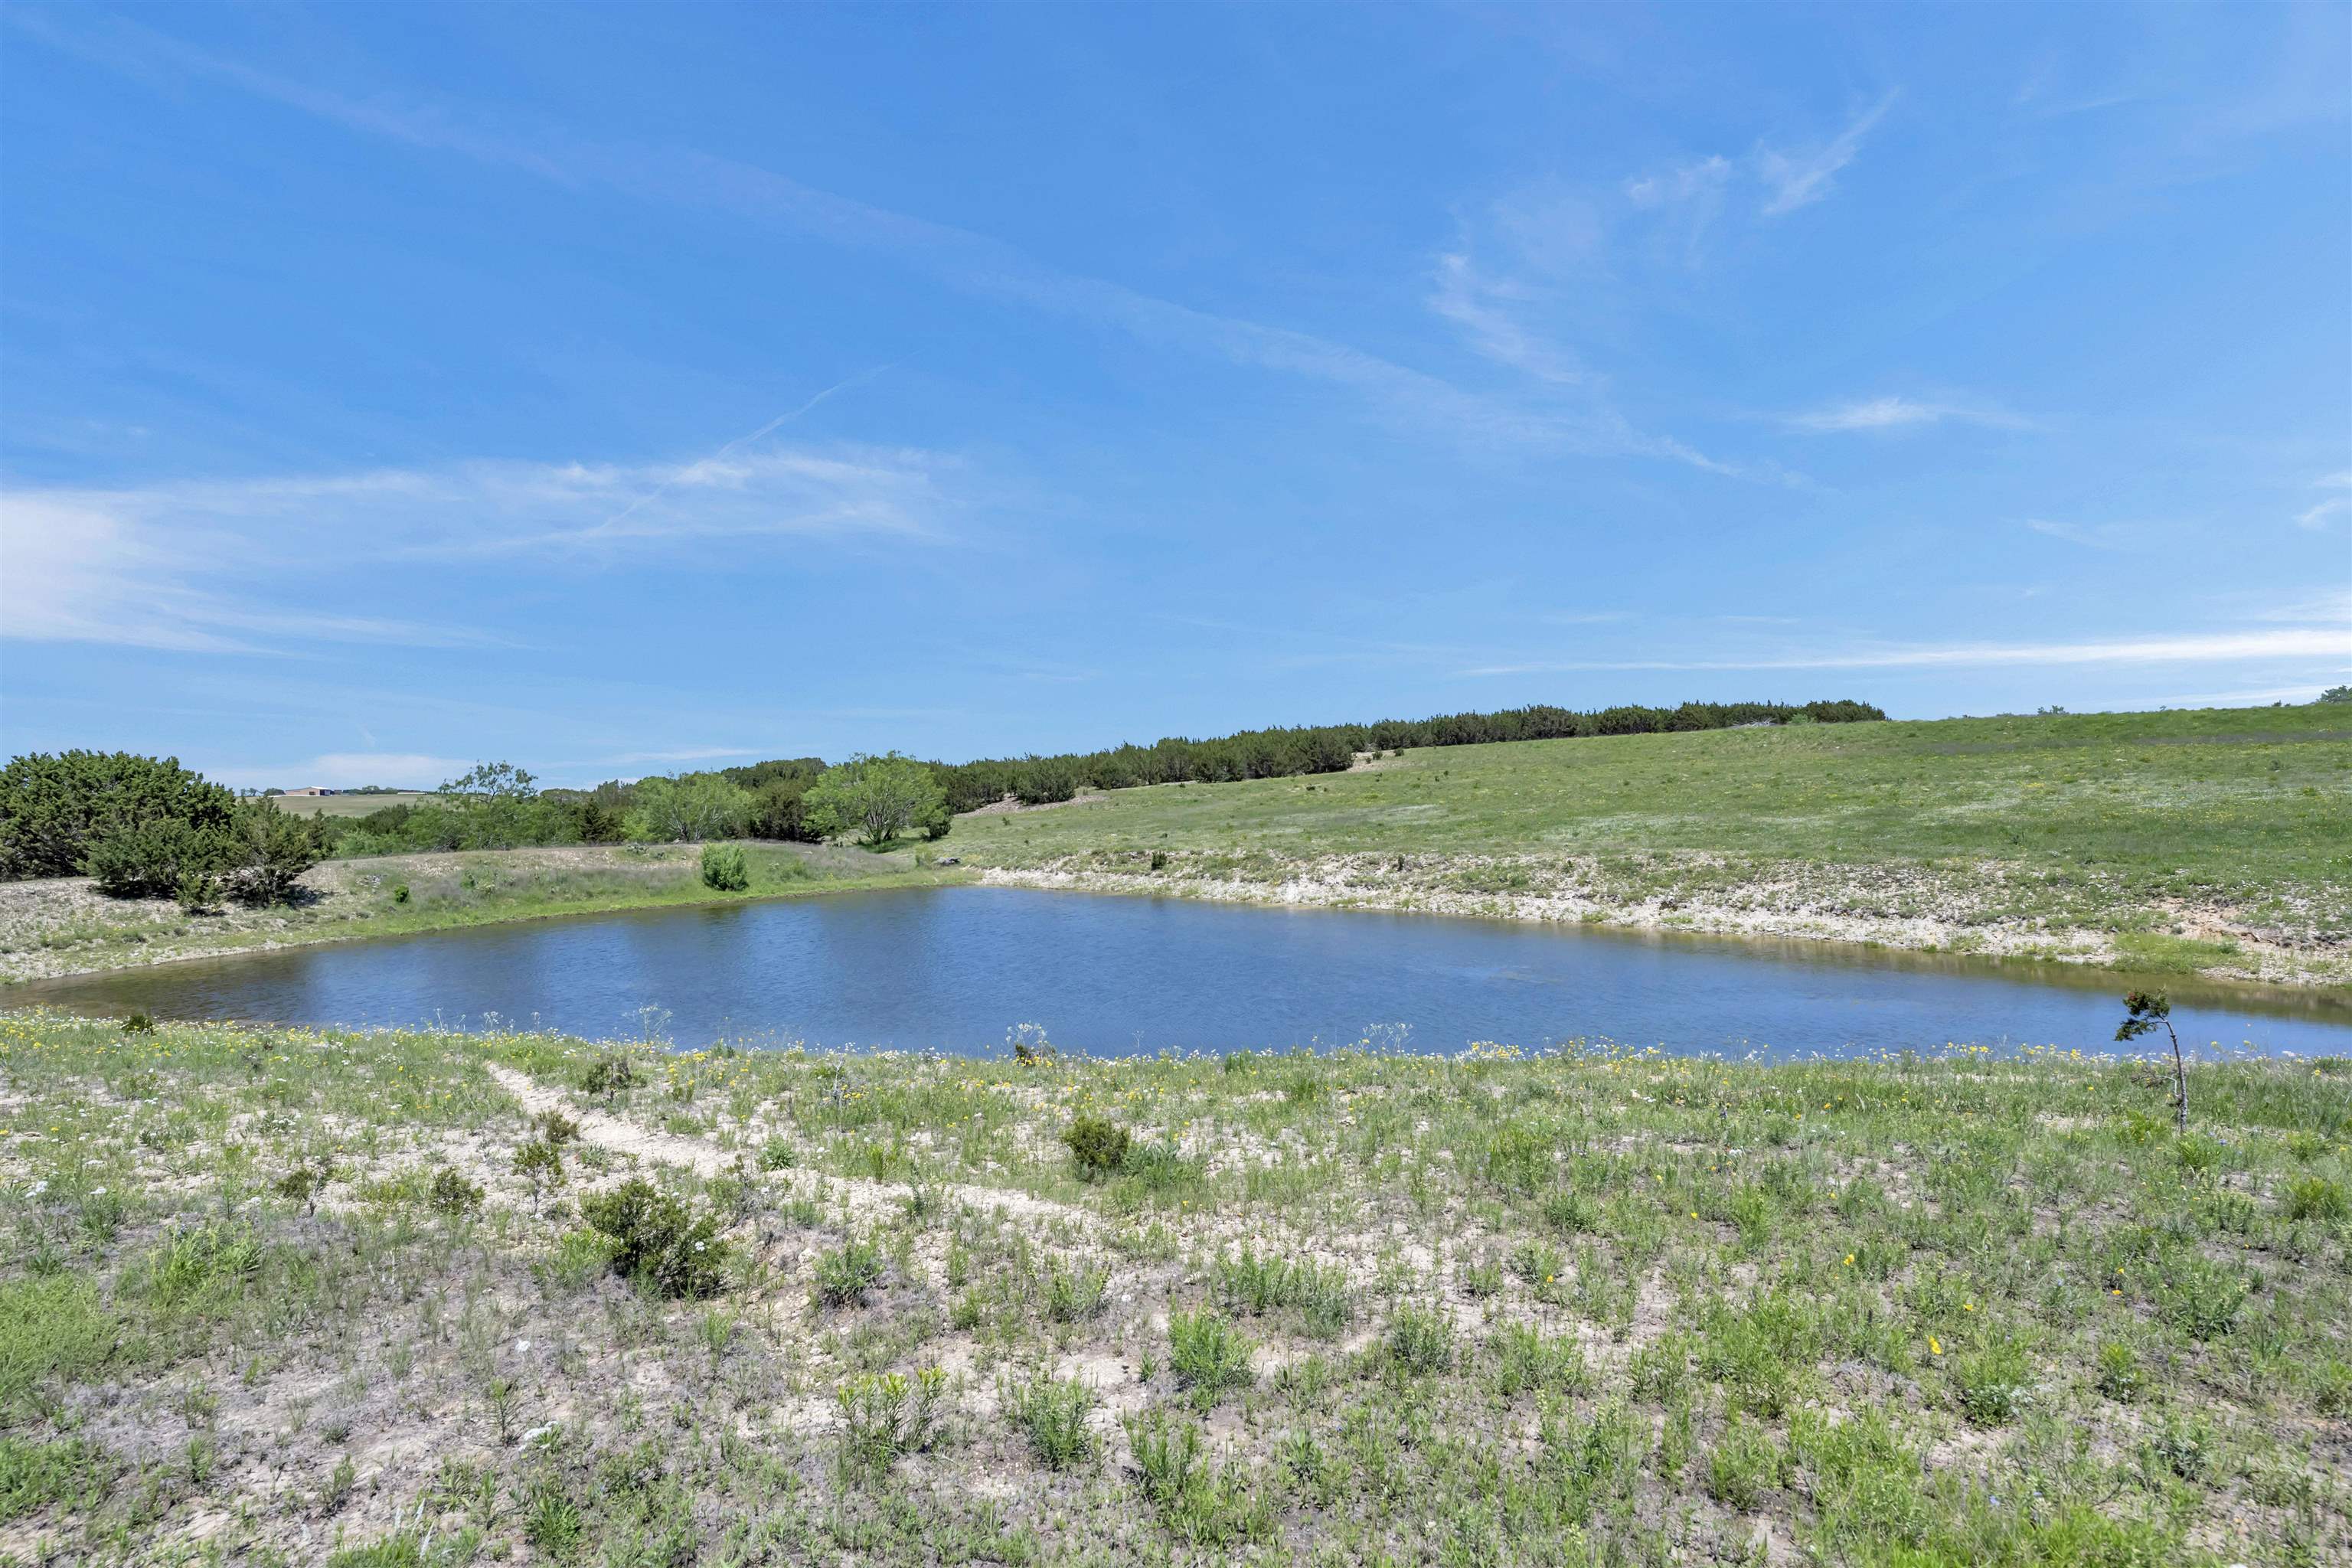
column 1796, row 180
column 1703, row 181
column 173, row 565
column 346, row 770
column 1894, row 414
column 2303, row 642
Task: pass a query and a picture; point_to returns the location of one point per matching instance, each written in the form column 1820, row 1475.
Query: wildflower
column 1933, row 1346
column 1849, row 1261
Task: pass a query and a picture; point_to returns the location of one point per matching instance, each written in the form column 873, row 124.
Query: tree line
column 1333, row 748
column 145, row 826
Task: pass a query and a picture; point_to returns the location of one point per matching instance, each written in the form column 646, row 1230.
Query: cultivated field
column 2217, row 840
column 309, row 1296
column 65, row 926
column 345, row 805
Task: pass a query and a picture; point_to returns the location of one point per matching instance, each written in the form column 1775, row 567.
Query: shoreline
column 1795, row 911
column 150, row 933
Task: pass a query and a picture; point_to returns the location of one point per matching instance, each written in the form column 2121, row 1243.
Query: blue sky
column 616, row 390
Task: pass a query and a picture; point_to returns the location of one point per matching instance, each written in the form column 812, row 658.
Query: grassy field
column 345, row 805
column 2217, row 840
column 64, row 926
column 391, row 1300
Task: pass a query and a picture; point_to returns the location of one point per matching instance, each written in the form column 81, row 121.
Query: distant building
column 312, row 789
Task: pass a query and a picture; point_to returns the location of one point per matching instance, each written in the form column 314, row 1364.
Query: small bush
column 1991, row 1383
column 724, row 868
column 1205, row 1504
column 451, row 1194
column 1099, row 1145
column 1743, row 1466
column 657, row 1242
column 848, row 1272
column 2119, row 1377
column 610, row 1075
column 1420, row 1340
column 400, row 892
column 2201, row 1298
column 1207, row 1354
column 891, row 1415
column 776, row 1154
column 1052, row 1414
column 2316, row 1197
column 139, row 1024
column 1075, row 1293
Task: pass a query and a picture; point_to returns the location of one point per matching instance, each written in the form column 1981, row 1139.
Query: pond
column 957, row 968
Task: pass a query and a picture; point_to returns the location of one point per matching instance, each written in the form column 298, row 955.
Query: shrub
column 53, row 810
column 139, row 1024
column 2316, row 1197
column 2201, row 1298
column 1208, row 1354
column 848, row 1272
column 610, row 1075
column 451, row 1194
column 400, row 892
column 1743, row 1466
column 265, row 852
column 2119, row 1374
column 1207, row 1505
column 151, row 859
column 657, row 1241
column 724, row 868
column 890, row 1415
column 1052, row 1414
column 1075, row 1293
column 1099, row 1145
column 1420, row 1340
column 1991, row 1383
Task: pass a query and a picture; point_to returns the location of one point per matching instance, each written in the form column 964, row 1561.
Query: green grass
column 1599, row 1307
column 2117, row 823
column 346, row 805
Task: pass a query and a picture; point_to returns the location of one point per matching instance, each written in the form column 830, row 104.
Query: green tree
column 491, row 806
column 2336, row 694
column 53, row 810
column 265, row 852
column 688, row 808
column 878, row 798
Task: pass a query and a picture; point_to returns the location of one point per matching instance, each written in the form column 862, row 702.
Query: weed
column 889, row 1414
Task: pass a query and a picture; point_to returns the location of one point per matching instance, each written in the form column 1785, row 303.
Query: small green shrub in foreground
column 452, row 1194
column 848, row 1272
column 891, row 1415
column 1420, row 1340
column 1052, row 1414
column 1099, row 1145
column 657, row 1241
column 724, row 868
column 1207, row 1354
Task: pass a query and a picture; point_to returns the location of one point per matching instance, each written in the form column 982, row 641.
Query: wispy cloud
column 1793, row 180
column 2304, row 642
column 1892, row 412
column 1487, row 310
column 971, row 262
column 173, row 565
column 2091, row 535
column 686, row 754
column 2317, row 516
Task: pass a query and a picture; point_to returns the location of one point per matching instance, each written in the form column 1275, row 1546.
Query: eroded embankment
column 1988, row 908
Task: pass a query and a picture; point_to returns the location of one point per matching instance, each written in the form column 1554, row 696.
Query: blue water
column 956, row 968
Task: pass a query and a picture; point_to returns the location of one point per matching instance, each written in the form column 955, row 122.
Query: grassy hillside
column 309, row 1297
column 2220, row 828
column 344, row 805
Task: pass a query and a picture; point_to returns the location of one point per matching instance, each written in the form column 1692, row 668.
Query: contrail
column 778, row 422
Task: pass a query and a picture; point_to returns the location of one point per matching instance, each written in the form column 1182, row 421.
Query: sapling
column 2146, row 1010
